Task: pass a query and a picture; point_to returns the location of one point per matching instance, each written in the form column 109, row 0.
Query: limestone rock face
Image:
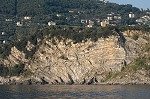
column 15, row 57
column 85, row 62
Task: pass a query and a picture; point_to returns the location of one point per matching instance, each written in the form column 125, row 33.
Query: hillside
column 46, row 7
column 71, row 52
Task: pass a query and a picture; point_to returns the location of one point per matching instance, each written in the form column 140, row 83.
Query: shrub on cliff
column 17, row 70
column 5, row 51
column 141, row 63
column 77, row 34
column 135, row 36
column 3, row 70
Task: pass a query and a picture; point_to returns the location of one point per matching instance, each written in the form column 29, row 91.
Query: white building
column 51, row 23
column 117, row 17
column 8, row 20
column 71, row 11
column 4, row 42
column 83, row 21
column 139, row 20
column 105, row 23
column 105, row 1
column 58, row 15
column 89, row 23
column 131, row 15
column 98, row 20
column 110, row 18
column 143, row 20
column 146, row 17
column 3, row 33
column 19, row 23
column 148, row 13
column 27, row 18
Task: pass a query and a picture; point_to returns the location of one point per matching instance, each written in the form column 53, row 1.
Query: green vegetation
column 139, row 28
column 7, row 7
column 5, row 50
column 141, row 63
column 16, row 70
column 45, row 10
column 46, row 7
column 135, row 36
column 110, row 76
column 3, row 70
column 77, row 34
column 138, row 64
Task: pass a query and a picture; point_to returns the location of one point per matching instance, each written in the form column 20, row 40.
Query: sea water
column 75, row 92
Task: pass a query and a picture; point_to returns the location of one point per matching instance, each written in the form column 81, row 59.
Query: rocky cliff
column 86, row 62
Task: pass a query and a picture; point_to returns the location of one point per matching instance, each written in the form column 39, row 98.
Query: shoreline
column 41, row 81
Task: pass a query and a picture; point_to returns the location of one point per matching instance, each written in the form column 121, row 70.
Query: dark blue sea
column 75, row 92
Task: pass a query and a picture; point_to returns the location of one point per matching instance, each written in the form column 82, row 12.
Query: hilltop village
column 77, row 16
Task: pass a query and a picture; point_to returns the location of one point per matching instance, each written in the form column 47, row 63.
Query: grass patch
column 140, row 63
column 110, row 76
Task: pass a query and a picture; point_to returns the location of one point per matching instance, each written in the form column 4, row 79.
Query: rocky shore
column 139, row 77
column 9, row 81
column 22, row 81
